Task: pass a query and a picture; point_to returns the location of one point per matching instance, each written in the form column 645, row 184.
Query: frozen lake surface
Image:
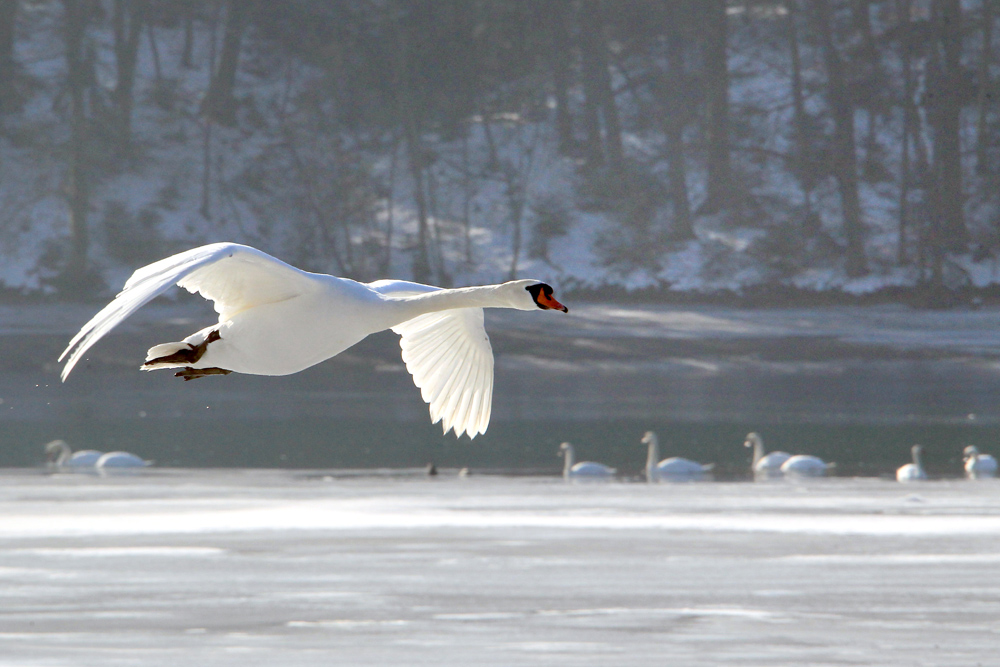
column 229, row 567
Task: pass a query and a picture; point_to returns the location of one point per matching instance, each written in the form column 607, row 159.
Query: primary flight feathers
column 275, row 319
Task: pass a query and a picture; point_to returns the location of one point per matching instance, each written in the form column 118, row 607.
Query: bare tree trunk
column 154, row 50
column 985, row 104
column 844, row 158
column 407, row 113
column 467, row 195
column 321, row 214
column 438, row 268
column 127, row 21
column 561, row 74
column 390, row 223
column 421, row 259
column 9, row 97
column 220, row 104
column 594, row 11
column 945, row 110
column 188, row 49
column 868, row 58
column 594, row 146
column 673, row 121
column 206, row 171
column 720, row 179
column 909, row 130
column 77, row 187
column 802, row 166
column 206, row 167
column 515, row 198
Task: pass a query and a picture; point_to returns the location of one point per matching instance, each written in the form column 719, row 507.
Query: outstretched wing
column 235, row 277
column 449, row 356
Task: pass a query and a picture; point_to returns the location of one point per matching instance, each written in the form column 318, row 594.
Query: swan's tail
column 708, row 467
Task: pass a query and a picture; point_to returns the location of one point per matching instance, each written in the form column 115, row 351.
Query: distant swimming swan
column 804, row 465
column 765, row 465
column 584, row 470
column 979, row 466
column 912, row 472
column 675, row 468
column 59, row 454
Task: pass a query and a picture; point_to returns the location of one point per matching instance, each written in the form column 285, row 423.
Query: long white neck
column 916, row 458
column 758, row 450
column 652, row 458
column 567, row 451
column 405, row 308
column 64, row 452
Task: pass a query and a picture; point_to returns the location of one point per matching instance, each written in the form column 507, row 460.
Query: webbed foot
column 195, row 373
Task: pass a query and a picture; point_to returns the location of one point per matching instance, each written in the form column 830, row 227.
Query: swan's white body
column 765, row 465
column 912, row 472
column 804, row 465
column 275, row 319
column 673, row 469
column 60, row 455
column 979, row 466
column 120, row 460
column 584, row 470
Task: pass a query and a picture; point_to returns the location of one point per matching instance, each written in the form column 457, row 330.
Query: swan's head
column 532, row 295
column 916, row 450
column 55, row 450
column 753, row 440
column 970, row 452
column 649, row 438
column 565, row 448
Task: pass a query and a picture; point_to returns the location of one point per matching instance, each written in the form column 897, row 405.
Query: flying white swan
column 275, row 319
column 979, row 466
column 59, row 454
column 674, row 469
column 584, row 470
column 912, row 472
column 765, row 465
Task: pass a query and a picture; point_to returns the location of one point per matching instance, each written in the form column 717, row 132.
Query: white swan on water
column 765, row 465
column 804, row 465
column 978, row 466
column 912, row 472
column 275, row 319
column 120, row 460
column 60, row 455
column 584, row 470
column 675, row 468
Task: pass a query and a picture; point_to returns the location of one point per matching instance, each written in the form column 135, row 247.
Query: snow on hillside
column 166, row 183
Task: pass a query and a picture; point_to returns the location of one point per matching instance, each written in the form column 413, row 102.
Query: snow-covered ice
column 227, row 567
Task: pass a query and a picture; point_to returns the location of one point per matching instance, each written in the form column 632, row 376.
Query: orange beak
column 551, row 303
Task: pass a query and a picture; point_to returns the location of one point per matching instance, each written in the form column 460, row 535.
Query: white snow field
column 227, row 567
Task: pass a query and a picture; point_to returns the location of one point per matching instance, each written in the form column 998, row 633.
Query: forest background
column 832, row 147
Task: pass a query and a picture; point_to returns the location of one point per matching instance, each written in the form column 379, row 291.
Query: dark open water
column 857, row 386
